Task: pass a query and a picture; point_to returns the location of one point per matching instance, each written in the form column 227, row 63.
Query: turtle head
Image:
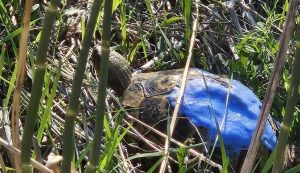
column 119, row 71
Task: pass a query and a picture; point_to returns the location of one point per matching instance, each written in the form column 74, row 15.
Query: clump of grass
column 273, row 82
column 146, row 32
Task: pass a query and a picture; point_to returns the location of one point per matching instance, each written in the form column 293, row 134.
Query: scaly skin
column 119, row 71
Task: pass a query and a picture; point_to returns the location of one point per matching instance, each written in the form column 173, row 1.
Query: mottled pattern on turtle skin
column 153, row 109
column 119, row 71
column 148, row 93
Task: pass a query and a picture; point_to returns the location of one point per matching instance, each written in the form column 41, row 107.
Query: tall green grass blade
column 149, row 9
column 171, row 20
column 256, row 166
column 111, row 148
column 219, row 137
column 37, row 39
column 108, row 132
column 47, row 114
column 3, row 7
column 2, row 58
column 17, row 32
column 155, row 166
column 6, row 81
column 295, row 169
column 119, row 139
column 181, row 154
column 146, row 155
column 5, row 17
column 269, row 163
column 83, row 154
column 111, row 145
column 170, row 46
column 123, row 25
column 47, row 80
column 133, row 52
column 8, row 27
column 186, row 6
column 82, row 27
column 223, row 152
column 11, row 87
column 116, row 3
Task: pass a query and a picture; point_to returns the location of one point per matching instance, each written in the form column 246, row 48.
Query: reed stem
column 290, row 110
column 105, row 50
column 37, row 85
column 68, row 137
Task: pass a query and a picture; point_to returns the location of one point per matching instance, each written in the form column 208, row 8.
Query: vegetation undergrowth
column 239, row 40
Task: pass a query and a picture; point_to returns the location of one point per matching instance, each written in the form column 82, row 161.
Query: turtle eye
column 164, row 81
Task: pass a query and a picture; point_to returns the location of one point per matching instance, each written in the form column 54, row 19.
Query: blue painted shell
column 202, row 103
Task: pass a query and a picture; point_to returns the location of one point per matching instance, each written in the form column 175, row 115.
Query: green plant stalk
column 123, row 25
column 2, row 61
column 68, row 137
column 290, row 109
column 186, row 6
column 105, row 50
column 37, row 86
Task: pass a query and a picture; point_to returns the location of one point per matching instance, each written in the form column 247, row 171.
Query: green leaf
column 181, row 154
column 46, row 116
column 172, row 20
column 156, row 164
column 295, row 169
column 269, row 162
column 116, row 3
column 139, row 155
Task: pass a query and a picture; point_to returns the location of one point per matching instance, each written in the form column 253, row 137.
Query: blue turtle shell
column 203, row 104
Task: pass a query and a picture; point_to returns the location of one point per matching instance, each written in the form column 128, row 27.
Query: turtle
column 208, row 98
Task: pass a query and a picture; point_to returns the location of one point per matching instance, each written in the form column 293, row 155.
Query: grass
column 140, row 31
